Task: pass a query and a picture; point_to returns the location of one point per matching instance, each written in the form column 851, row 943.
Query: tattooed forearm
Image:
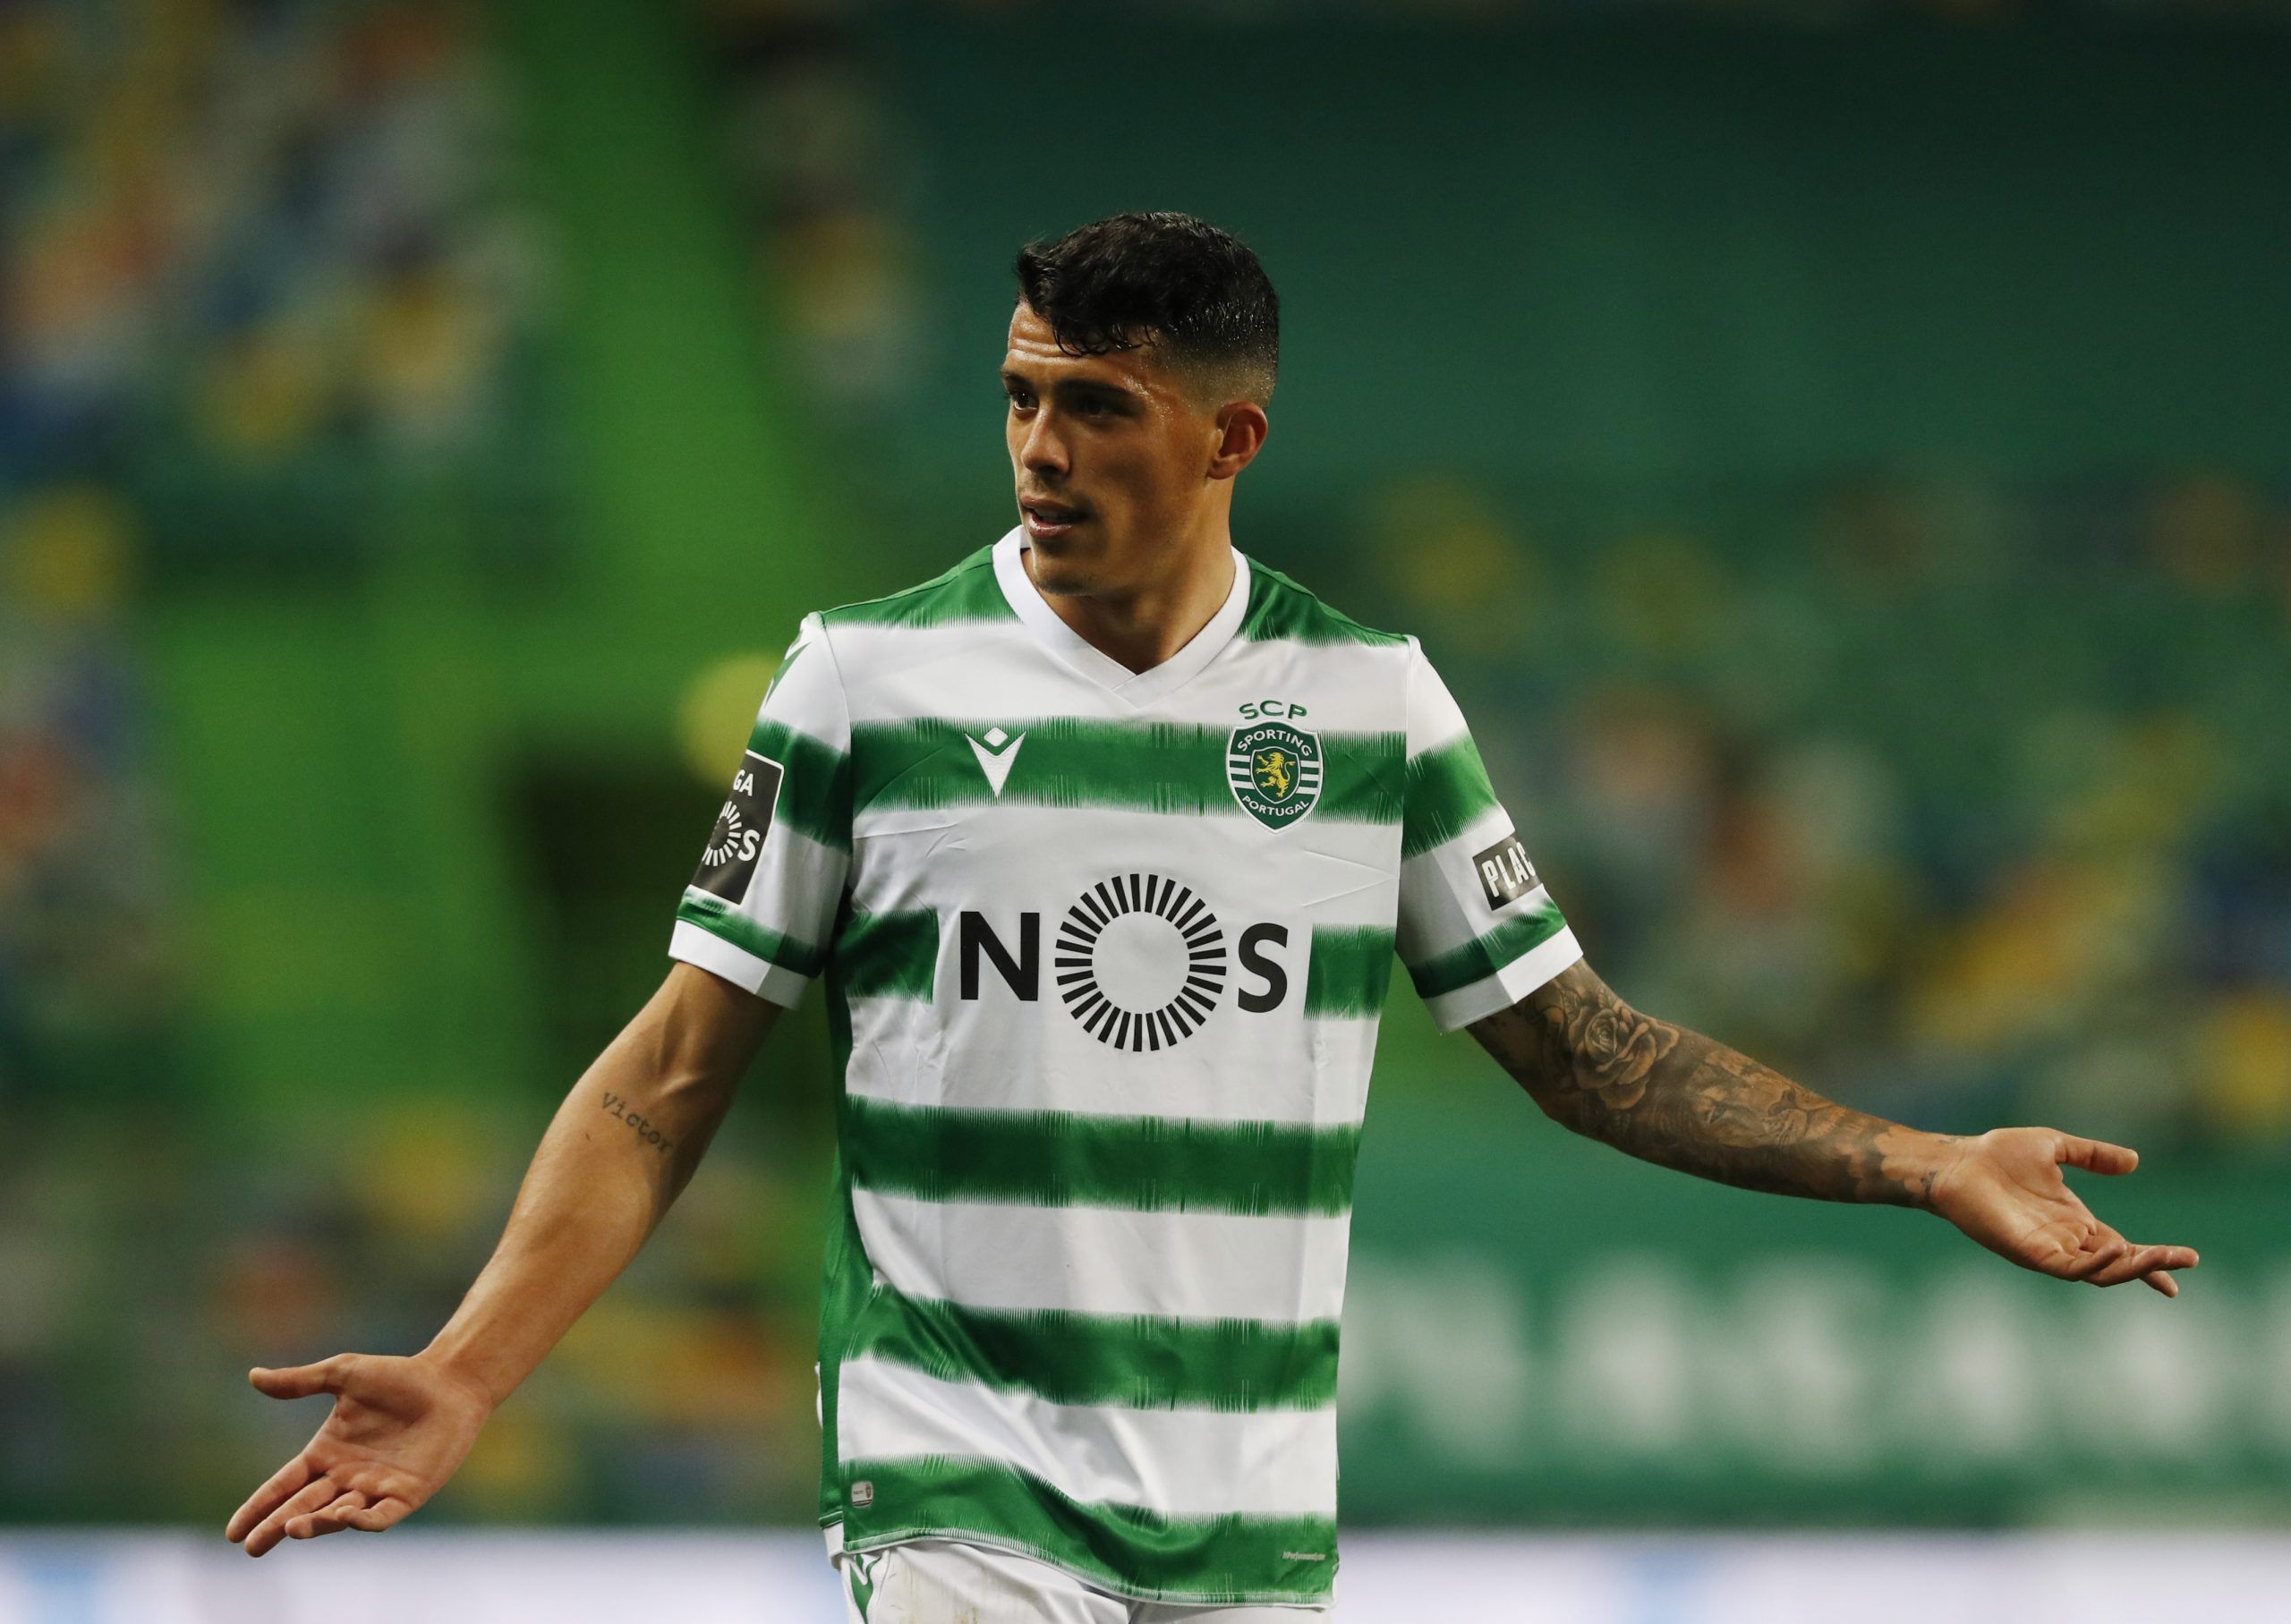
column 1676, row 1098
column 616, row 1106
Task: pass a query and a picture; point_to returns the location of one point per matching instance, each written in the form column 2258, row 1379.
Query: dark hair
column 1195, row 292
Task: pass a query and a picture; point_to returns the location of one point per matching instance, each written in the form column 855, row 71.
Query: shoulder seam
column 842, row 688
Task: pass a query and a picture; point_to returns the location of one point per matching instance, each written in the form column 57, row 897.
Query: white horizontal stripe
column 1441, row 905
column 1185, row 1463
column 1104, row 1260
column 797, row 884
column 1434, row 718
column 1328, row 871
column 1344, row 1049
column 1236, row 1067
column 1508, row 985
column 809, row 696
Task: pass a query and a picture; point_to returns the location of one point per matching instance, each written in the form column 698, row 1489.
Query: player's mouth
column 1047, row 521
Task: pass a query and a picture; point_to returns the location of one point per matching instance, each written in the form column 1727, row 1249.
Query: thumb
column 2096, row 1155
column 302, row 1381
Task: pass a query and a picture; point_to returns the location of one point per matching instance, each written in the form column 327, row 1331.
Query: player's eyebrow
column 1076, row 389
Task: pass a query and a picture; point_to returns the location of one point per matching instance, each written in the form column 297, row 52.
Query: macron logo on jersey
column 995, row 756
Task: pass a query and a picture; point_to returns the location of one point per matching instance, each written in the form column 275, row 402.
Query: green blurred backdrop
column 1838, row 455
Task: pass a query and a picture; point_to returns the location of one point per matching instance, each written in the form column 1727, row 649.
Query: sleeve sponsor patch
column 729, row 863
column 1505, row 874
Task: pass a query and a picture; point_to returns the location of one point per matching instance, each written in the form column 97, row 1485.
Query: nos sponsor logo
column 1142, row 961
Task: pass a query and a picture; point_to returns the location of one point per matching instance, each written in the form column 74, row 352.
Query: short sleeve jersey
column 1104, row 953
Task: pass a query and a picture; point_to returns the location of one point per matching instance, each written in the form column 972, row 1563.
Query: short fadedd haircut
column 1194, row 292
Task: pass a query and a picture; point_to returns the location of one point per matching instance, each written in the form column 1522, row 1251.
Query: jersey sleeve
column 762, row 905
column 1476, row 929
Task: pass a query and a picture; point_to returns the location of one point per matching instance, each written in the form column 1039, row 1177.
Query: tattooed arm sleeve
column 1673, row 1097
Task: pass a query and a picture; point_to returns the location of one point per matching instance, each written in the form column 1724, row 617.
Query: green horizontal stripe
column 1280, row 608
column 1484, row 956
column 1138, row 1361
column 719, row 918
column 1217, row 1560
column 968, row 590
column 1446, row 790
column 890, row 954
column 1161, row 767
column 1349, row 971
column 814, row 782
column 1060, row 1159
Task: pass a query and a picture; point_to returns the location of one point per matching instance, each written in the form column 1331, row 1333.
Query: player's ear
column 1241, row 428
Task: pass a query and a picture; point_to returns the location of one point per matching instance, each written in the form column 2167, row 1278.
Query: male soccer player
column 1103, row 842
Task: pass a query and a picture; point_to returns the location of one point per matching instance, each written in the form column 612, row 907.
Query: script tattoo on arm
column 616, row 1106
column 1673, row 1097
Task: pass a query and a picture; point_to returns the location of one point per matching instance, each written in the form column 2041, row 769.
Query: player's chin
column 1069, row 562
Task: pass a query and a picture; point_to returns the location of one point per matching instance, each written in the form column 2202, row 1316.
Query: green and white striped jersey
column 1104, row 953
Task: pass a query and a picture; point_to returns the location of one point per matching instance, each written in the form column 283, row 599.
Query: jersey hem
column 1097, row 1582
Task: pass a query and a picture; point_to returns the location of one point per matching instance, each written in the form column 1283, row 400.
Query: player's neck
column 1143, row 628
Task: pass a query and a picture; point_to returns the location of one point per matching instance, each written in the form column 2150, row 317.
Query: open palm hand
column 2005, row 1190
column 399, row 1429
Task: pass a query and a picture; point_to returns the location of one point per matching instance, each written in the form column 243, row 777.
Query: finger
column 283, row 1482
column 2162, row 1281
column 302, row 1380
column 271, row 1529
column 2129, row 1265
column 2096, row 1155
column 384, row 1513
column 327, row 1518
column 2147, row 1261
column 2099, row 1257
column 2139, row 1260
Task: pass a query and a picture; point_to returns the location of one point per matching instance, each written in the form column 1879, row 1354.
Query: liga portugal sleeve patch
column 729, row 863
column 1505, row 874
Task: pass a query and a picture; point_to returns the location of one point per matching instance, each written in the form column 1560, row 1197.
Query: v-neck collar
column 1137, row 689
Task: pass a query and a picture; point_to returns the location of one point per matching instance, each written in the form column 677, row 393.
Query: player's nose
column 1042, row 450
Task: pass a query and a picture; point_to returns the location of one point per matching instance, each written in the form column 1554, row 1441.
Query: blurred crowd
column 258, row 259
column 823, row 166
column 1963, row 798
column 1966, row 800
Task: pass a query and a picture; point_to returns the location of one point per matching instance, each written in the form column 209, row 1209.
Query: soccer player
column 1103, row 842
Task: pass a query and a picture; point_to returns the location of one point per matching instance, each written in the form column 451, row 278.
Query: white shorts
column 945, row 1581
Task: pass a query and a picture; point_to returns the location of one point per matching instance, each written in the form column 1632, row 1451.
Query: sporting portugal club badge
column 1275, row 771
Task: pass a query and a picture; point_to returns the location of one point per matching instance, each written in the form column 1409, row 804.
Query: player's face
column 1111, row 456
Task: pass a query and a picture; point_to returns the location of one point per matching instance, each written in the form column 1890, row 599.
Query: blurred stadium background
column 1838, row 453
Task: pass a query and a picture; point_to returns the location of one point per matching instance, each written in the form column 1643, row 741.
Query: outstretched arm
column 618, row 1151
column 1676, row 1098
